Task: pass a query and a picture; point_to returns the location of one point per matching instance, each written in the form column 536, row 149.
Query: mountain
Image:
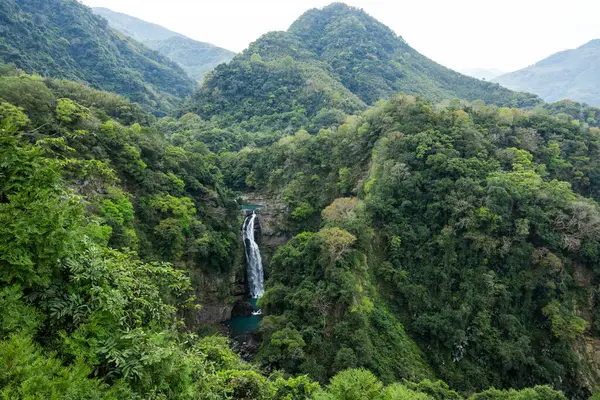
column 571, row 74
column 196, row 58
column 482, row 73
column 138, row 29
column 418, row 250
column 64, row 39
column 334, row 58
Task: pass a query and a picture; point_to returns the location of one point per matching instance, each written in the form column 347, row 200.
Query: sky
column 460, row 34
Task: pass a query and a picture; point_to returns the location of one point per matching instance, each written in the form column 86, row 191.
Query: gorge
column 359, row 243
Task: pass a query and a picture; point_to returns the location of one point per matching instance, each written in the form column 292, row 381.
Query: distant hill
column 571, row 74
column 335, row 58
column 64, row 39
column 482, row 73
column 196, row 58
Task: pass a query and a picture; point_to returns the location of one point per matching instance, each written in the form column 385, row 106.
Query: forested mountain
column 135, row 28
column 571, row 74
column 196, row 58
column 429, row 250
column 332, row 60
column 64, row 39
column 476, row 227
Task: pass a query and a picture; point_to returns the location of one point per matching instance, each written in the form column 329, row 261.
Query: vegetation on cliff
column 442, row 250
column 477, row 225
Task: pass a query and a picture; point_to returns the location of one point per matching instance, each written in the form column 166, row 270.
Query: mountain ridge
column 195, row 57
column 122, row 22
column 345, row 45
column 569, row 74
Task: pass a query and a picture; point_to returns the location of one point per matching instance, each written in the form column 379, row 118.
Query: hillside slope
column 571, row 74
column 64, row 39
column 196, row 58
column 335, row 58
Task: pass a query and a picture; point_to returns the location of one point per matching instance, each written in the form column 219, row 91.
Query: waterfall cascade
column 253, row 260
column 241, row 326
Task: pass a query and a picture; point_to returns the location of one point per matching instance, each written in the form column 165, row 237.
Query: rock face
column 217, row 294
column 271, row 217
column 214, row 314
column 587, row 349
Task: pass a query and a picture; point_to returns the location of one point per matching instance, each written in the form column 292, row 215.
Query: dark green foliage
column 95, row 303
column 37, row 227
column 177, row 208
column 64, row 39
column 374, row 63
column 536, row 393
column 321, row 316
column 479, row 227
column 359, row 384
column 28, row 374
column 477, row 230
column 457, row 241
column 83, row 321
column 570, row 110
column 274, row 83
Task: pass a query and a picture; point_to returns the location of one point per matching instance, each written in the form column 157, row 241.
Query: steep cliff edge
column 217, row 295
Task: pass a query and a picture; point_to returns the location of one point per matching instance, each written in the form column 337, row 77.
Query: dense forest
column 475, row 226
column 64, row 39
column 104, row 223
column 439, row 249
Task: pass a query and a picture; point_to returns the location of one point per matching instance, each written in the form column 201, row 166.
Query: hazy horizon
column 460, row 35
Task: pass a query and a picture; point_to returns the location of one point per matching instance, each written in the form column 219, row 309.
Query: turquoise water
column 252, row 206
column 240, row 326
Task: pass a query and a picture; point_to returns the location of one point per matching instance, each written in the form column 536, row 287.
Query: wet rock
column 242, row 309
column 247, row 347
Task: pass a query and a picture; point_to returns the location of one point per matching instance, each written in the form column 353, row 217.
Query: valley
column 327, row 215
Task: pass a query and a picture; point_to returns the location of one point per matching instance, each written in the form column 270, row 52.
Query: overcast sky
column 503, row 34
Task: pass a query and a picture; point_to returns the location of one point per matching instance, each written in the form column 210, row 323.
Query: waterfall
column 253, row 260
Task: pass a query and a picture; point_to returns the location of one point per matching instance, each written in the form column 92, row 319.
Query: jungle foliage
column 103, row 222
column 475, row 227
column 441, row 249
